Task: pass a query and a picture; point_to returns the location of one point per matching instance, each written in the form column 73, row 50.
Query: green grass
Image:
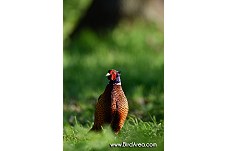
column 137, row 51
column 134, row 130
column 134, row 48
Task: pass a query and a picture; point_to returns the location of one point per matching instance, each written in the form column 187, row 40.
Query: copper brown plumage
column 112, row 105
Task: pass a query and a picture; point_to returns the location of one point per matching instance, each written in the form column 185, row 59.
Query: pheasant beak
column 108, row 74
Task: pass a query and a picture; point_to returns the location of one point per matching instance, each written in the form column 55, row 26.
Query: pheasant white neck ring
column 117, row 83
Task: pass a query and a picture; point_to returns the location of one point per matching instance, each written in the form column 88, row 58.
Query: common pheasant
column 112, row 105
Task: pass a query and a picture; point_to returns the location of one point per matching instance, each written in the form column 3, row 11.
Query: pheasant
column 112, row 105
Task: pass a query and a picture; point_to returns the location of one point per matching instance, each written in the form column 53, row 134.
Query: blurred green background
column 134, row 45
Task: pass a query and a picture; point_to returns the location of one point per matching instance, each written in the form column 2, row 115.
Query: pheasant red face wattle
column 112, row 74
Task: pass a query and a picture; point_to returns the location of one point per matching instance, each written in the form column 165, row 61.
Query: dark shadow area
column 101, row 15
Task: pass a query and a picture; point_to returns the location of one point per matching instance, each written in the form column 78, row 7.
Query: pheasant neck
column 116, row 82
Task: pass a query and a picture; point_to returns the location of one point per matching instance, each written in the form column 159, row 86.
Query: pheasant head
column 114, row 76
